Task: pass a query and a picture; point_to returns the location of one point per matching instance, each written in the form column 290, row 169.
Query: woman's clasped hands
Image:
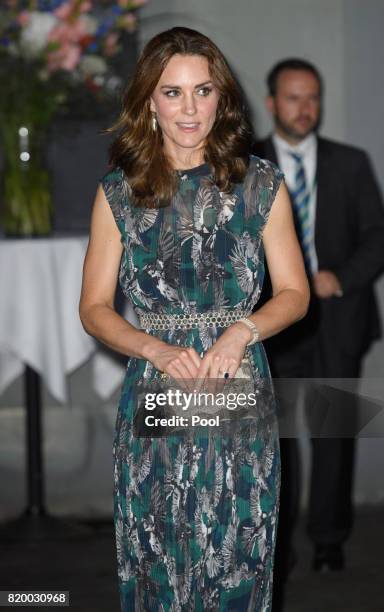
column 210, row 372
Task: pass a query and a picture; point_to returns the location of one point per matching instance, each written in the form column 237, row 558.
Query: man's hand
column 326, row 284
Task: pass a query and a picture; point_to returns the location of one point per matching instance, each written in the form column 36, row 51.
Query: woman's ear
column 152, row 106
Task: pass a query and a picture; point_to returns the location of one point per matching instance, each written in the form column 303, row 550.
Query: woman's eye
column 204, row 91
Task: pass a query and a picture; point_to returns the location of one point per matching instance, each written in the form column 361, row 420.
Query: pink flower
column 65, row 10
column 86, row 6
column 110, row 44
column 137, row 3
column 65, row 58
column 65, row 33
column 23, row 18
column 128, row 22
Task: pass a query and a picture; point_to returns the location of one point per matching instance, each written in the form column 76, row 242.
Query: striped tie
column 300, row 196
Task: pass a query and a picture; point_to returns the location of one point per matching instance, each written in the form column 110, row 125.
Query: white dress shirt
column 307, row 148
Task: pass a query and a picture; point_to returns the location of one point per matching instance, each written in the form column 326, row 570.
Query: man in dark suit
column 340, row 223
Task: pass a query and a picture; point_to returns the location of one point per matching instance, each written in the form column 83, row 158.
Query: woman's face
column 185, row 102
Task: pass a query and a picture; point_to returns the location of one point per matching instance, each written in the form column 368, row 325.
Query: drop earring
column 154, row 122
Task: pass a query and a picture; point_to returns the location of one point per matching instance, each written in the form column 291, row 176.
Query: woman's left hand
column 224, row 356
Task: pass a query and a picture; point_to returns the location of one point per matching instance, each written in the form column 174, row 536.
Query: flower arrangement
column 55, row 55
column 75, row 39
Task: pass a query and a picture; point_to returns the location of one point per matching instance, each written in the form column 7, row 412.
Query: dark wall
column 78, row 158
column 78, row 154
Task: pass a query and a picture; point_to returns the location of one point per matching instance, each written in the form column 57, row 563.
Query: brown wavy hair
column 138, row 150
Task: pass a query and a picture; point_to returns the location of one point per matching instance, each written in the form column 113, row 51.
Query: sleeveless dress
column 196, row 514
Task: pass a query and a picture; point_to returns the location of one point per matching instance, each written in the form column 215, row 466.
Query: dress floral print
column 196, row 513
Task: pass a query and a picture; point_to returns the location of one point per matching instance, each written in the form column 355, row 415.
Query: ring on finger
column 224, row 374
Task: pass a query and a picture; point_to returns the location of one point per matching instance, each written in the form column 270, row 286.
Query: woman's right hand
column 177, row 361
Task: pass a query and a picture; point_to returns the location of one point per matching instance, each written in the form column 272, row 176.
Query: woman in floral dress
column 184, row 218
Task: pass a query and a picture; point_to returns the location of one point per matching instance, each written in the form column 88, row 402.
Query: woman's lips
column 188, row 127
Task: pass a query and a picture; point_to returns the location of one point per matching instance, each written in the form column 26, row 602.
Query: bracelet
column 253, row 328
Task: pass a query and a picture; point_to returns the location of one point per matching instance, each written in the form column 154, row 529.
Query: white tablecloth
column 40, row 284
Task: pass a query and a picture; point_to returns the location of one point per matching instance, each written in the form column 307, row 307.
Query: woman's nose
column 189, row 105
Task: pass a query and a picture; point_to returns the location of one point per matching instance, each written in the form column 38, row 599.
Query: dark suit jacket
column 349, row 240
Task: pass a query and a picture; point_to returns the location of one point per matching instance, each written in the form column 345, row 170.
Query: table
column 41, row 334
column 40, row 283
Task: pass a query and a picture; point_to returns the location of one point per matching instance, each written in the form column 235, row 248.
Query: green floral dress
column 196, row 514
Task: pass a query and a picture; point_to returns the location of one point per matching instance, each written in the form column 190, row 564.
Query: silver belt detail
column 211, row 318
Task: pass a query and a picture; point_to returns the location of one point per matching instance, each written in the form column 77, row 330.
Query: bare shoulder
column 103, row 256
column 280, row 216
column 103, row 223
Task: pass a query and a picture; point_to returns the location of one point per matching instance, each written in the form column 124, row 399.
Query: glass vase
column 26, row 181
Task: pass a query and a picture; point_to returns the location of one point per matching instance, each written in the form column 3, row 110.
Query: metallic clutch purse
column 221, row 405
column 245, row 369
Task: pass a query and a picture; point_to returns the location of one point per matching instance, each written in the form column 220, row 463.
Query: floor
column 58, row 557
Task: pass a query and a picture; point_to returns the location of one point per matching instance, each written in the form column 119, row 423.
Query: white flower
column 99, row 80
column 13, row 49
column 91, row 65
column 34, row 35
column 113, row 84
column 43, row 74
column 90, row 24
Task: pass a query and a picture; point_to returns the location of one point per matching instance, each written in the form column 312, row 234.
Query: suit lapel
column 270, row 151
column 323, row 199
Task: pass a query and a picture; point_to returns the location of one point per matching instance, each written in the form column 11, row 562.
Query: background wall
column 255, row 34
column 344, row 39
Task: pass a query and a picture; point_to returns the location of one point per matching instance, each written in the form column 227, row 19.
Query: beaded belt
column 211, row 318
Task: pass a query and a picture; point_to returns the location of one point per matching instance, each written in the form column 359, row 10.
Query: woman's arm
column 286, row 269
column 290, row 293
column 97, row 313
column 100, row 274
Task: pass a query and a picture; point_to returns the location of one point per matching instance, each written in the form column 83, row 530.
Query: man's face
column 297, row 104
